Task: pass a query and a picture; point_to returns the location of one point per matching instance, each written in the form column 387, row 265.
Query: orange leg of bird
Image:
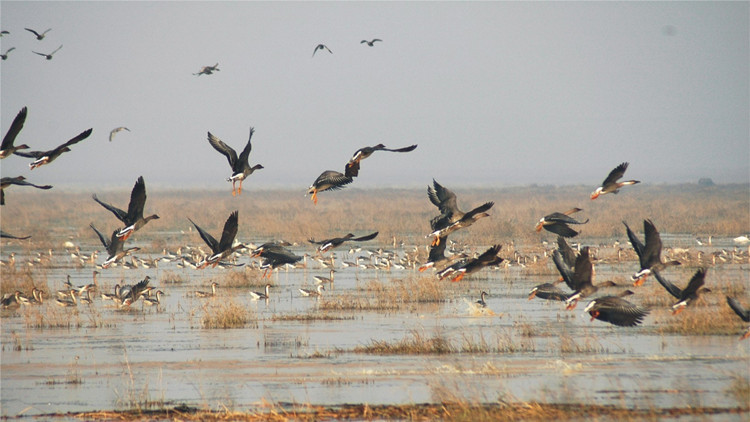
column 746, row 335
column 422, row 268
column 594, row 314
column 458, row 278
column 234, row 190
column 435, row 241
column 678, row 310
column 532, row 295
column 239, row 189
column 315, row 197
column 572, row 305
column 640, row 281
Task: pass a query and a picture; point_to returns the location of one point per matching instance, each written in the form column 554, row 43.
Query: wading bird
column 308, row 292
column 212, row 293
column 46, row 157
column 240, row 166
column 133, row 219
column 611, row 184
column 263, row 296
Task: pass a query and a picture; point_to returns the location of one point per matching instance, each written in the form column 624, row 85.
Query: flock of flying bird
column 39, row 36
column 576, row 270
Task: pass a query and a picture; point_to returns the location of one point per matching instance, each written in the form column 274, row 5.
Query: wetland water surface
column 310, row 350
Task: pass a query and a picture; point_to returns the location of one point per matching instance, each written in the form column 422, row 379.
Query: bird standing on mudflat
column 240, row 166
column 133, row 219
column 611, row 184
column 46, row 157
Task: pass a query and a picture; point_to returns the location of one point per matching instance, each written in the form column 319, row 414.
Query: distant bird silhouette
column 688, row 294
column 38, row 35
column 352, row 167
column 114, row 246
column 49, row 56
column 7, row 148
column 240, row 165
column 328, row 244
column 649, row 255
column 4, row 56
column 223, row 248
column 133, row 218
column 208, row 70
column 114, row 131
column 18, row 180
column 743, row 313
column 557, row 223
column 328, row 180
column 371, row 43
column 46, row 157
column 611, row 184
column 3, row 32
column 321, row 47
column 451, row 218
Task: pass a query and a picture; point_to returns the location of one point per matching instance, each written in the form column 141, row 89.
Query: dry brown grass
column 417, row 343
column 393, row 294
column 225, row 314
column 458, row 410
column 403, row 214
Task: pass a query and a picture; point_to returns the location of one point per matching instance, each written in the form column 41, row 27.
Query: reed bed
column 417, row 343
column 399, row 214
column 391, row 295
column 226, row 314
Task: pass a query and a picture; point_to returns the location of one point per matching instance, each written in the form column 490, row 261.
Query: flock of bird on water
column 575, row 267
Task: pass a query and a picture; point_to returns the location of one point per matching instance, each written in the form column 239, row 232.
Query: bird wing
column 698, row 279
column 490, row 255
column 210, row 241
column 15, row 128
column 634, row 241
column 229, row 232
column 352, row 169
column 137, row 201
column 615, row 174
column 583, row 270
column 568, row 255
column 245, row 152
column 619, row 311
column 223, row 148
column 367, row 237
column 404, row 149
column 10, row 236
column 563, row 218
column 120, row 214
column 738, row 309
column 56, row 50
column 22, row 182
column 32, row 154
column 652, row 251
column 102, row 239
column 78, row 138
column 482, row 208
column 437, row 252
column 671, row 288
column 136, row 290
column 443, row 198
column 563, row 269
column 32, row 31
column 561, row 229
column 333, row 177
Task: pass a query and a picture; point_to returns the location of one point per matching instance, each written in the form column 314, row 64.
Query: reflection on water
column 297, row 352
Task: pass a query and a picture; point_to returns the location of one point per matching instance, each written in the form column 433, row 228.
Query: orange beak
column 594, row 195
column 532, row 295
column 640, row 281
column 678, row 310
column 594, row 314
column 572, row 305
column 539, row 226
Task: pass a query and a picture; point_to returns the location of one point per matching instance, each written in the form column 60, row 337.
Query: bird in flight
column 321, row 47
column 611, row 184
column 208, row 70
column 38, row 35
column 4, row 56
column 371, row 43
column 48, row 56
column 114, row 131
column 240, row 166
column 46, row 157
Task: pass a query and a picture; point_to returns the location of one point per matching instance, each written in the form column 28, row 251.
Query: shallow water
column 110, row 358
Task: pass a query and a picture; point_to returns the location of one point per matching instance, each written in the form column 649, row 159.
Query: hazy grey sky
column 494, row 93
